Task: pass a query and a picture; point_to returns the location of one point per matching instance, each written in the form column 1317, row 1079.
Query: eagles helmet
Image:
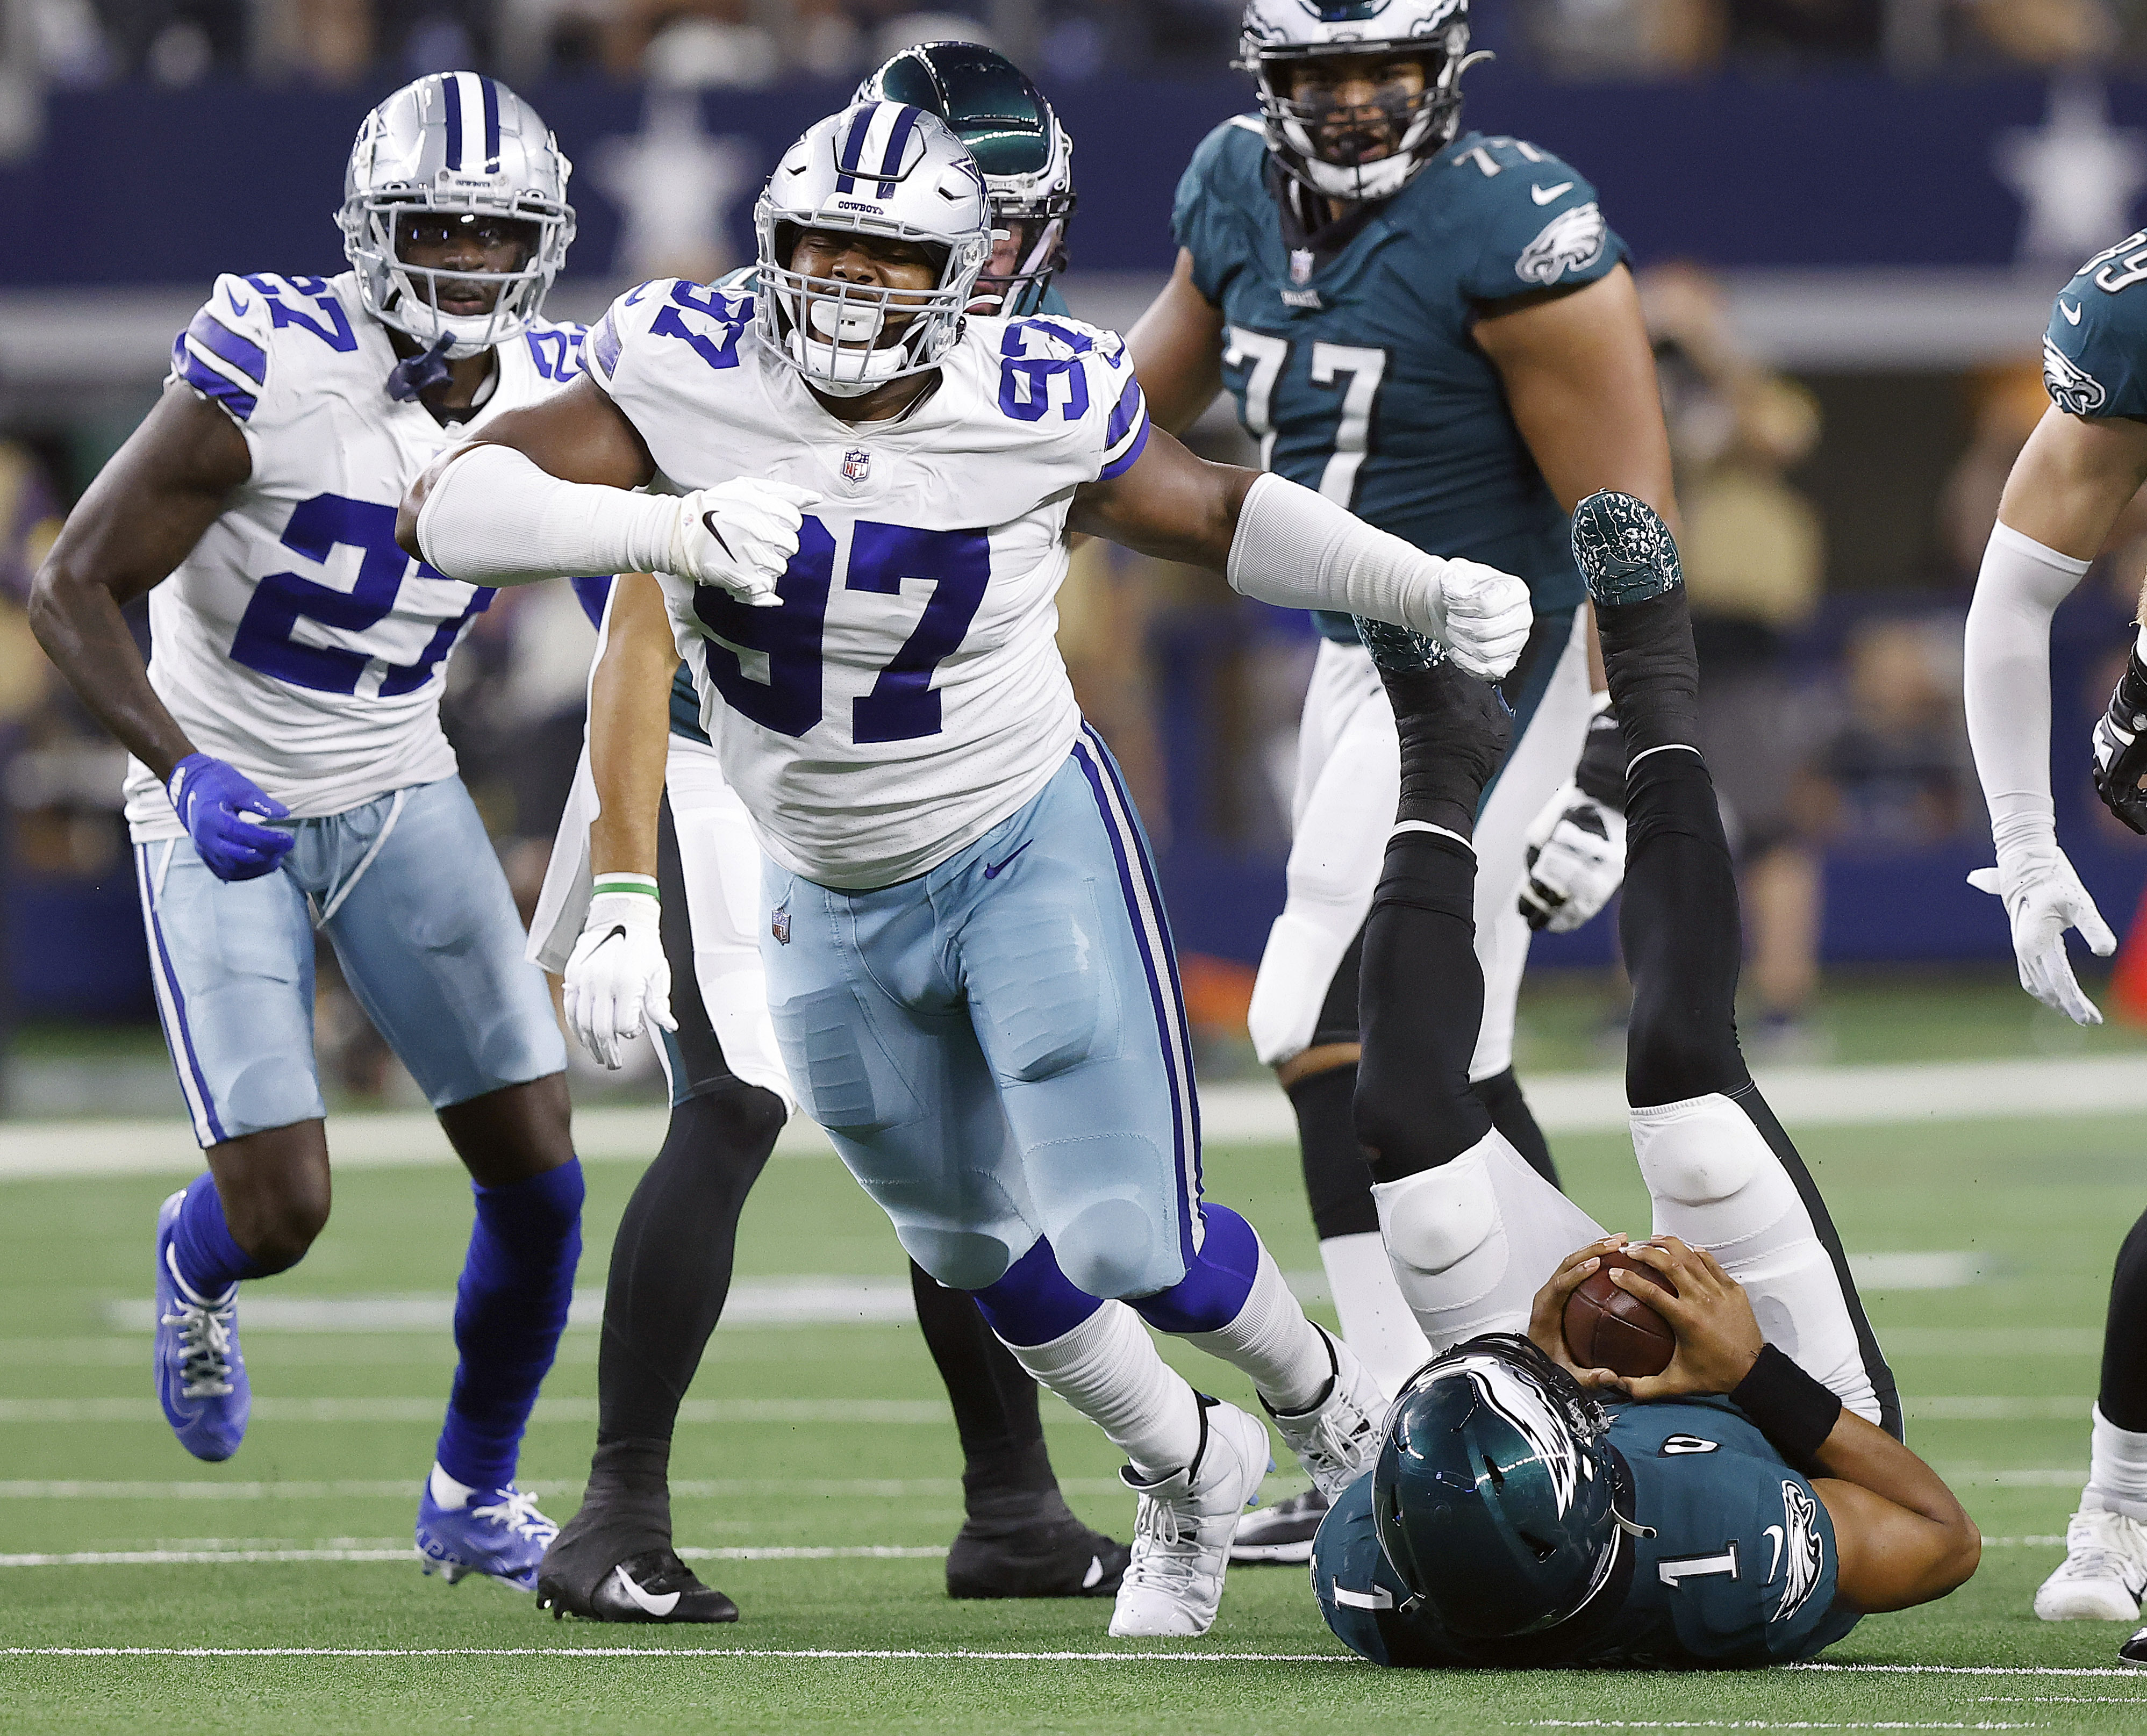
column 1281, row 35
column 464, row 143
column 1494, row 1492
column 1015, row 136
column 878, row 168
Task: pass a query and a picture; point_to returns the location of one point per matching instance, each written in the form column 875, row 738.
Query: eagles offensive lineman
column 671, row 1264
column 1440, row 333
column 968, row 966
column 289, row 773
column 1510, row 1520
column 2085, row 460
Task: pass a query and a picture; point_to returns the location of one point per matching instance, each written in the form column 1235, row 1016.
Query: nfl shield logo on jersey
column 857, row 465
column 778, row 925
column 1300, row 266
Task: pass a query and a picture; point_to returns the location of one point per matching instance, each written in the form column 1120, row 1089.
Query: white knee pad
column 1717, row 1184
column 1434, row 1220
column 1714, row 1180
column 1296, row 970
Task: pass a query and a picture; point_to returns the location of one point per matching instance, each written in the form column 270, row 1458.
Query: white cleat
column 1338, row 1438
column 1182, row 1538
column 2104, row 1574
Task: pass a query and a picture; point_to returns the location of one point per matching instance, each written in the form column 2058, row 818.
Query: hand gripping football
column 1605, row 1327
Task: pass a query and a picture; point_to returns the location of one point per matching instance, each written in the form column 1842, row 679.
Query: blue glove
column 218, row 804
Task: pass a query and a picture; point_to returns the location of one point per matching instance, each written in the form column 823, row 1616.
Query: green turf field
column 834, row 1438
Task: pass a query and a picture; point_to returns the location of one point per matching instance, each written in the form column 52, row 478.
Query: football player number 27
column 766, row 662
column 1353, row 373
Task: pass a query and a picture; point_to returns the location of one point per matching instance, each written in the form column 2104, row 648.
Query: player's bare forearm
column 1900, row 1536
column 578, row 436
column 139, row 519
column 1169, row 504
column 1580, row 375
column 630, row 726
column 2073, row 479
column 1177, row 347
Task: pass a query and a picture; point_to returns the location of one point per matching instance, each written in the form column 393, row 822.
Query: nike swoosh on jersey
column 659, row 1604
column 1544, row 195
column 2072, row 315
column 992, row 869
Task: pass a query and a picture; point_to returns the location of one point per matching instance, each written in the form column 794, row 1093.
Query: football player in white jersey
column 864, row 499
column 290, row 773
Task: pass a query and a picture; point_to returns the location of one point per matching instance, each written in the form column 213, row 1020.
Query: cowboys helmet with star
column 1312, row 141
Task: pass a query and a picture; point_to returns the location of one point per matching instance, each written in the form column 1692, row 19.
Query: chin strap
column 416, row 375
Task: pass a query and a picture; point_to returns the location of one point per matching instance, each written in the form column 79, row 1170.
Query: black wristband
column 1793, row 1410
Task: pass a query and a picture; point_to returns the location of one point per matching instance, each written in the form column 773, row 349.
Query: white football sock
column 1108, row 1369
column 1717, row 1184
column 1473, row 1241
column 1273, row 1342
column 2117, row 1470
column 448, row 1494
column 1376, row 1321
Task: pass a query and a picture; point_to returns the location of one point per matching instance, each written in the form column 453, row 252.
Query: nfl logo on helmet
column 857, row 464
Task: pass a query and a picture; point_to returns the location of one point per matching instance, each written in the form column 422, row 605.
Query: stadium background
column 1849, row 218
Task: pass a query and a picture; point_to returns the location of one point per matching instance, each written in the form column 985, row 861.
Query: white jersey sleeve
column 908, row 694
column 297, row 640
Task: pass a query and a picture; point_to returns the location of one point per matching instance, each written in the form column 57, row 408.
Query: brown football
column 1607, row 1329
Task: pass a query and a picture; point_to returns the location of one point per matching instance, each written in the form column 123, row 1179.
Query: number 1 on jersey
column 784, row 692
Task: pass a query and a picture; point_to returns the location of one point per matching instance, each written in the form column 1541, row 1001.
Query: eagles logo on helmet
column 1026, row 157
column 464, row 144
column 1356, row 152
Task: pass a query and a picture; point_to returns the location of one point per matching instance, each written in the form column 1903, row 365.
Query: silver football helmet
column 1279, row 36
column 878, row 168
column 464, row 143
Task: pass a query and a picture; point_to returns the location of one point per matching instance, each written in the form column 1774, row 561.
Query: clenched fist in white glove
column 739, row 535
column 1576, row 860
column 2043, row 898
column 1481, row 615
column 617, row 979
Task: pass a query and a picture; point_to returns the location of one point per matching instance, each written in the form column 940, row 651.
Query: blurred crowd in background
column 756, row 44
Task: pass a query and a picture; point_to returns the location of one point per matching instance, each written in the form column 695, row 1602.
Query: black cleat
column 1033, row 1547
column 1282, row 1536
column 655, row 1586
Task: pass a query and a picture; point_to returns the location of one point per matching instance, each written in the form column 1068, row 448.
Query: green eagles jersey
column 1738, row 1568
column 1349, row 348
column 2094, row 352
column 685, row 701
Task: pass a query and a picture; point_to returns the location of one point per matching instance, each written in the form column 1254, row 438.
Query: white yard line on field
column 548, row 1410
column 659, row 1653
column 406, row 1552
column 1232, row 1112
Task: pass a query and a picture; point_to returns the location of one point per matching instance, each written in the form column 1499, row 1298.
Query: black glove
column 2120, row 755
column 1601, row 773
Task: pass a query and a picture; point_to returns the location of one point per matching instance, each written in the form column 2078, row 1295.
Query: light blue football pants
column 997, row 1047
column 409, row 889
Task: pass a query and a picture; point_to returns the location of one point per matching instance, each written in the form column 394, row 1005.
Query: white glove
column 739, row 535
column 2044, row 897
column 617, row 976
column 1576, row 860
column 1481, row 615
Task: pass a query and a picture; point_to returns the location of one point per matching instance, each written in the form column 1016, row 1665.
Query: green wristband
column 644, row 884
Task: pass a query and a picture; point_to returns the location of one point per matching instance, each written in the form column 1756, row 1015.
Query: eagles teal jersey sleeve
column 1214, row 198
column 2094, row 351
column 1738, row 1569
column 1538, row 222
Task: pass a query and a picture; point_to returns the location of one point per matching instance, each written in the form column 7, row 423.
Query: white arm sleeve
column 1299, row 550
column 493, row 517
column 2008, row 682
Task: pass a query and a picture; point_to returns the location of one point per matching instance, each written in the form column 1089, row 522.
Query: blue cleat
column 497, row 1531
column 201, row 1376
column 1624, row 549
